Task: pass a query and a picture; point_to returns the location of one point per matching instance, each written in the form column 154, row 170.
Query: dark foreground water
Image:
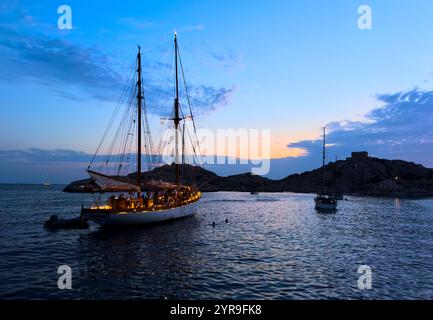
column 275, row 246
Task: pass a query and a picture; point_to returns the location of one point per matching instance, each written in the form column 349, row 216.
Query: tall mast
column 324, row 159
column 139, row 99
column 176, row 112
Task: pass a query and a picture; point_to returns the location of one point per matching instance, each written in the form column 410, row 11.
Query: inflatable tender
column 75, row 223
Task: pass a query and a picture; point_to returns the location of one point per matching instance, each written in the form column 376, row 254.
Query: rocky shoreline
column 357, row 175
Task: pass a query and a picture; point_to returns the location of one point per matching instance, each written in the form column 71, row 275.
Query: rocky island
column 359, row 174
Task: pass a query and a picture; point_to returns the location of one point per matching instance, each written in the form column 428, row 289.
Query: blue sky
column 288, row 66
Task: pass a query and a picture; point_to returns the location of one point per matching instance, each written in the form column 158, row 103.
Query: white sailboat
column 324, row 201
column 148, row 201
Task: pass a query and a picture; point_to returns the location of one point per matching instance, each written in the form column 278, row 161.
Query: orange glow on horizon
column 278, row 149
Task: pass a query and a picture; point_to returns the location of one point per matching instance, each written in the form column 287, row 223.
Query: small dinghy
column 75, row 223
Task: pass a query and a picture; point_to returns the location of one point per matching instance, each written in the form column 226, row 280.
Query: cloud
column 197, row 27
column 229, row 59
column 136, row 23
column 145, row 24
column 57, row 62
column 63, row 166
column 401, row 129
column 76, row 72
column 204, row 99
column 211, row 98
column 42, row 155
column 39, row 165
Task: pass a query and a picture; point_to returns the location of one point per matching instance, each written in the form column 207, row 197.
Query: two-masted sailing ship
column 131, row 199
column 323, row 200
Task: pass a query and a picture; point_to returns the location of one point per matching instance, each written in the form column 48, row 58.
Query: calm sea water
column 274, row 246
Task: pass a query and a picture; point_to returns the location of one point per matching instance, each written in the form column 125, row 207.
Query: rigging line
column 191, row 140
column 164, row 93
column 164, row 101
column 118, row 144
column 165, row 75
column 146, row 130
column 166, row 142
column 168, row 109
column 126, row 157
column 183, row 150
column 192, row 160
column 192, row 144
column 162, row 129
column 188, row 99
column 150, row 152
column 186, row 154
column 167, row 96
column 111, row 121
column 184, row 122
column 122, row 152
column 130, row 134
column 185, row 146
column 132, row 123
column 134, row 150
column 163, row 98
column 146, row 125
column 114, row 142
column 146, row 142
column 114, row 146
column 128, row 151
column 113, row 116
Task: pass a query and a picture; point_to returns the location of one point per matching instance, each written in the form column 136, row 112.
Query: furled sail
column 153, row 184
column 114, row 184
column 111, row 184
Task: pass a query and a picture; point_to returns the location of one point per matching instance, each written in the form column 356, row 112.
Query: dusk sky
column 289, row 66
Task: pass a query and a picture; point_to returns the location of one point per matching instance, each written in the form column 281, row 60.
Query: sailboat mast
column 324, row 160
column 176, row 111
column 139, row 103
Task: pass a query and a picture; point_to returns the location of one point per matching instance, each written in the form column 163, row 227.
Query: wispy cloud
column 203, row 98
column 43, row 155
column 39, row 165
column 197, row 27
column 57, row 62
column 401, row 129
column 65, row 67
column 210, row 97
column 136, row 23
column 229, row 59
